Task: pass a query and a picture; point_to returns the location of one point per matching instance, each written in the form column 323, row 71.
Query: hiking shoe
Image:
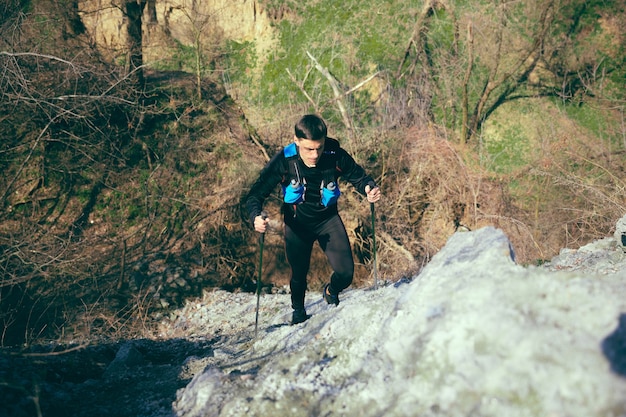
column 330, row 298
column 299, row 316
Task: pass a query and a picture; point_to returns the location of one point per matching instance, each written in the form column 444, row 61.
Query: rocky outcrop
column 474, row 333
column 167, row 24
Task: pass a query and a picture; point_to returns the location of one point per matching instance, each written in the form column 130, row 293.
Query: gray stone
column 126, row 358
column 620, row 232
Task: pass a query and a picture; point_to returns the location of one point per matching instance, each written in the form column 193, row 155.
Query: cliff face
column 167, row 23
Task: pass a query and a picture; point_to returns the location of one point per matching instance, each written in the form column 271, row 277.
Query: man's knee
column 341, row 280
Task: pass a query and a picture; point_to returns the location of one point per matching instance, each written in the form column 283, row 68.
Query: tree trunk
column 465, row 129
column 134, row 11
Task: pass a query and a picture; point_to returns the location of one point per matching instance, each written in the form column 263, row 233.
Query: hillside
column 132, row 133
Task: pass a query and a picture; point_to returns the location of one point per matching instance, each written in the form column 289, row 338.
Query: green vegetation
column 348, row 38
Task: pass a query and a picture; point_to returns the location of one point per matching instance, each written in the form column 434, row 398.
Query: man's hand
column 260, row 223
column 373, row 194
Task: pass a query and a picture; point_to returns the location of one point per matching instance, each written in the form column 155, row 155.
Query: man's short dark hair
column 311, row 126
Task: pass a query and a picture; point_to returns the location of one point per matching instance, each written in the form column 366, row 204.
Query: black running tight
column 333, row 239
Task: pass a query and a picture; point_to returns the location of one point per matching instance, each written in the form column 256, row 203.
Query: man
column 307, row 170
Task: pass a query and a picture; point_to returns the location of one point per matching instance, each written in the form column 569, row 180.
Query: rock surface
column 473, row 334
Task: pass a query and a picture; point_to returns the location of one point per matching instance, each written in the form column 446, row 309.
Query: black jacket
column 334, row 159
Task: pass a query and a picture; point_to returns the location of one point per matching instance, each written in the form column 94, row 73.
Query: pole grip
column 262, row 236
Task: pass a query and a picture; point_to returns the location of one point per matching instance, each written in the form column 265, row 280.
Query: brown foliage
column 429, row 193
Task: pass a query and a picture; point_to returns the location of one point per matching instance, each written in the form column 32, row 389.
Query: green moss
column 592, row 118
column 509, row 153
column 183, row 58
column 348, row 38
column 242, row 57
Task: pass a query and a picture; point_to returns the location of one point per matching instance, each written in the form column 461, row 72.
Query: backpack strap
column 294, row 191
column 291, row 155
column 332, row 171
column 290, row 150
column 329, row 191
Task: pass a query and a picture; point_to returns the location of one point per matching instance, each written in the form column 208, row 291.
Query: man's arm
column 269, row 177
column 354, row 173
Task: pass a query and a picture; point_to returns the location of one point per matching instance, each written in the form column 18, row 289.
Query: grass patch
column 376, row 36
column 595, row 119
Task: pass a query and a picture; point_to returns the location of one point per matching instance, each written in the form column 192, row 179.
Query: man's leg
column 334, row 242
column 298, row 251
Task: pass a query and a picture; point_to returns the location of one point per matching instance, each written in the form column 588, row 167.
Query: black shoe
column 299, row 316
column 330, row 298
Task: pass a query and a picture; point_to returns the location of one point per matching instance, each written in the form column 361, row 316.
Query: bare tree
column 505, row 44
column 199, row 30
column 133, row 12
column 63, row 120
column 506, row 72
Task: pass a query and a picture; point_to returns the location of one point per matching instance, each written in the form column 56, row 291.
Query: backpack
column 294, row 192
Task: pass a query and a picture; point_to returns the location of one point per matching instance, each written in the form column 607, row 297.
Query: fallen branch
column 336, row 91
column 389, row 241
column 257, row 143
column 301, row 87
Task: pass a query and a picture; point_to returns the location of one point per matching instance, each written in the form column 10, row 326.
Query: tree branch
column 336, row 91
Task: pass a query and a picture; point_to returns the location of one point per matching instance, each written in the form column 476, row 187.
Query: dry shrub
column 572, row 196
column 571, row 191
column 433, row 188
column 427, row 195
column 579, row 192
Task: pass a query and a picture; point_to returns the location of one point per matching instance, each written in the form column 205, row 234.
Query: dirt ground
column 138, row 378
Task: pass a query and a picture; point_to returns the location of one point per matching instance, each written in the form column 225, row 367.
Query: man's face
column 310, row 150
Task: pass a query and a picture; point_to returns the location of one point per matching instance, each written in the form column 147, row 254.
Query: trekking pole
column 374, row 245
column 258, row 281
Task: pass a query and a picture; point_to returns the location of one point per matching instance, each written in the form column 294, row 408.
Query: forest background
column 131, row 131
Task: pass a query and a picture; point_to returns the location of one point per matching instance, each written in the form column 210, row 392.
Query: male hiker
column 307, row 170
